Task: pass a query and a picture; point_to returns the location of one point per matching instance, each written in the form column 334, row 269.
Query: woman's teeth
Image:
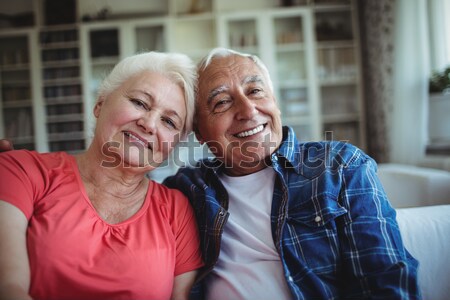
column 130, row 135
column 251, row 132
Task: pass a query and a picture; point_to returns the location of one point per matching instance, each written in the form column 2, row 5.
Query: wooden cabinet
column 21, row 107
column 50, row 74
column 62, row 88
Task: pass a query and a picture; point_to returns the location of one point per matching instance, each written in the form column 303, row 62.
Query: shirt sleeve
column 376, row 263
column 188, row 254
column 16, row 185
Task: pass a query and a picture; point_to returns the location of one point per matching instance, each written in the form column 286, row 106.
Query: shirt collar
column 289, row 150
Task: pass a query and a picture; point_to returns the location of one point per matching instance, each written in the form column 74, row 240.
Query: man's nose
column 246, row 108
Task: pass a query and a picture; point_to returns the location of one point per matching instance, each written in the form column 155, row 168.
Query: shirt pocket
column 313, row 233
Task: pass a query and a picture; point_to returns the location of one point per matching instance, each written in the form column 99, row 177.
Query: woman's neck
column 117, row 193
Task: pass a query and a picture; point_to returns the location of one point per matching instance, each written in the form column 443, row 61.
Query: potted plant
column 439, row 107
column 440, row 81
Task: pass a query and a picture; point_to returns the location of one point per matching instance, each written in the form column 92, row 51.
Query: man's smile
column 250, row 132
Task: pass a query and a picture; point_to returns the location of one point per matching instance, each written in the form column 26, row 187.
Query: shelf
column 293, row 83
column 290, row 47
column 16, row 83
column 22, row 140
column 338, row 81
column 14, row 67
column 64, row 100
column 66, row 136
column 297, row 120
column 104, row 61
column 60, row 45
column 335, row 44
column 340, row 118
column 61, row 81
column 17, row 104
column 65, row 118
column 61, row 63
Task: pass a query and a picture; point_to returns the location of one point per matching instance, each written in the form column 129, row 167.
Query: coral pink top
column 74, row 254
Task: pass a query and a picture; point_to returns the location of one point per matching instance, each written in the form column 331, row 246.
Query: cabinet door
column 338, row 71
column 62, row 88
column 294, row 71
column 239, row 31
column 101, row 50
column 16, row 118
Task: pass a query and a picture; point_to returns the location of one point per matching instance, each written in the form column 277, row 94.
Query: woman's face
column 140, row 122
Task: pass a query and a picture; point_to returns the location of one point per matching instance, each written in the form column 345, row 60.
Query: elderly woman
column 92, row 226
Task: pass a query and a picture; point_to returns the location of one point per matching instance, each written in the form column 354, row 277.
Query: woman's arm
column 14, row 265
column 182, row 285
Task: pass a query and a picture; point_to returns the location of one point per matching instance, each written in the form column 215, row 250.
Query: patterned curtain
column 376, row 19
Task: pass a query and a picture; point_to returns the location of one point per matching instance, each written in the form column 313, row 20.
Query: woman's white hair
column 176, row 66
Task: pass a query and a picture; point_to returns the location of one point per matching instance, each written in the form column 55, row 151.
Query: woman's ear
column 98, row 106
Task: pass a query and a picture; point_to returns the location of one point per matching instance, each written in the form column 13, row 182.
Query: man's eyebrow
column 212, row 94
column 253, row 79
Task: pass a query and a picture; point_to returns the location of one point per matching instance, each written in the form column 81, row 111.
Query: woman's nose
column 148, row 122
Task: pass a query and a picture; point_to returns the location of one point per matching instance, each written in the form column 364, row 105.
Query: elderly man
column 279, row 219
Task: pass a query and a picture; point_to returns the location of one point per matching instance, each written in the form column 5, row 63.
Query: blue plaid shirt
column 332, row 224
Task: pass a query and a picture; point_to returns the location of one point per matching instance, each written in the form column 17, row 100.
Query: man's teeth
column 251, row 132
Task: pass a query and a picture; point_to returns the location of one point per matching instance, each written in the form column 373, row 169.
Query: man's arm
column 376, row 264
column 6, row 145
column 182, row 285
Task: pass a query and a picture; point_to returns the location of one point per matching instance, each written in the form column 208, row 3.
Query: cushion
column 426, row 235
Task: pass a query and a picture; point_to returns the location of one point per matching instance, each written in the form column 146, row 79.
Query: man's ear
column 98, row 106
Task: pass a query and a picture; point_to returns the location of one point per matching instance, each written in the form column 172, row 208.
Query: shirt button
column 317, row 219
column 290, row 279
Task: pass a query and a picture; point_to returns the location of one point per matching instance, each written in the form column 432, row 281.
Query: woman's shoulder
column 28, row 158
column 165, row 193
column 170, row 198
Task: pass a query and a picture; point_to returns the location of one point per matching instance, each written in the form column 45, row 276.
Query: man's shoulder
column 330, row 154
column 189, row 175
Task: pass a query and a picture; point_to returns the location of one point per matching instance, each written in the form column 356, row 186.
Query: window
column 439, row 104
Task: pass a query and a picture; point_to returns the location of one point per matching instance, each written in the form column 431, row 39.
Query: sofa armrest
column 426, row 235
column 411, row 186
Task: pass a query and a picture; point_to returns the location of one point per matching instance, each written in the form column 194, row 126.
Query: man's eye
column 256, row 91
column 222, row 105
column 139, row 103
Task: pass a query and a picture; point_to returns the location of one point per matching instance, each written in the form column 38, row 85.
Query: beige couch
column 422, row 199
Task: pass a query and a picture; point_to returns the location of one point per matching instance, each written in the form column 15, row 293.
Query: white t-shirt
column 249, row 266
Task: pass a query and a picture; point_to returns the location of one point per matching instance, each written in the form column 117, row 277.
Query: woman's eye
column 169, row 122
column 139, row 103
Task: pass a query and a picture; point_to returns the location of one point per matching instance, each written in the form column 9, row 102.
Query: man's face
column 237, row 114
